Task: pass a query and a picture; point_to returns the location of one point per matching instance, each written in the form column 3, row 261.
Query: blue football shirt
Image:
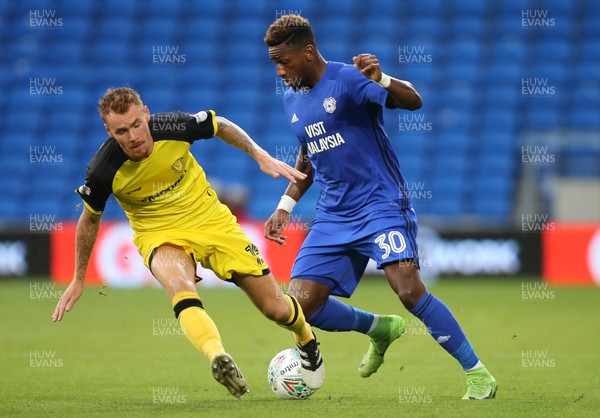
column 340, row 122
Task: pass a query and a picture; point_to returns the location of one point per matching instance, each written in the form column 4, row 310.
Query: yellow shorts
column 218, row 244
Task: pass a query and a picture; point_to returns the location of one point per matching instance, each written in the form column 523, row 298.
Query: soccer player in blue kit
column 363, row 212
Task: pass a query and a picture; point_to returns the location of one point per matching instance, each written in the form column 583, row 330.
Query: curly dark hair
column 291, row 30
column 118, row 100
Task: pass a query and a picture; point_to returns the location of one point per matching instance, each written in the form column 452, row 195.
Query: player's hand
column 368, row 64
column 275, row 168
column 275, row 225
column 68, row 299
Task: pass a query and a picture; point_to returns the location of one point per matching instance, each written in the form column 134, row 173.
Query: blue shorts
column 336, row 253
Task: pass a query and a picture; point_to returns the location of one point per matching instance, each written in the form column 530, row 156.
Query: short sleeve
column 362, row 89
column 94, row 194
column 99, row 176
column 181, row 126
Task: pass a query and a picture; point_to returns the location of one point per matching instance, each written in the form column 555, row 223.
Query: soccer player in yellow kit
column 178, row 221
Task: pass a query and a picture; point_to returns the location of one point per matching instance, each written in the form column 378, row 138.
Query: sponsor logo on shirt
column 323, row 143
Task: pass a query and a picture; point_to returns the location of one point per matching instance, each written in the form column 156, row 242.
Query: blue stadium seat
column 587, row 118
column 251, row 29
column 480, row 52
column 77, row 10
column 456, row 164
column 544, row 118
column 171, row 9
column 488, row 164
column 510, row 48
column 73, row 28
column 458, row 142
column 472, row 26
column 586, row 71
column 446, row 197
column 499, row 142
column 510, row 23
column 499, row 119
column 492, row 207
column 592, row 26
column 467, row 72
column 422, row 76
column 117, row 29
column 411, row 166
column 422, row 26
column 207, row 8
column 11, row 209
column 131, row 9
column 116, row 51
column 507, row 71
column 349, row 9
column 590, row 51
column 470, row 8
column 581, row 161
column 493, row 196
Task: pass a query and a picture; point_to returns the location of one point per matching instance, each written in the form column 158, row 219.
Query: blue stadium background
column 469, row 160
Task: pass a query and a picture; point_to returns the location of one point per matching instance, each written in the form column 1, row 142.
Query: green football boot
column 480, row 384
column 388, row 329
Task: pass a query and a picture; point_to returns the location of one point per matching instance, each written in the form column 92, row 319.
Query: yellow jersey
column 166, row 191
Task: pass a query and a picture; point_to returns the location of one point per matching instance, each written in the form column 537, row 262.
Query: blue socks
column 444, row 328
column 336, row 315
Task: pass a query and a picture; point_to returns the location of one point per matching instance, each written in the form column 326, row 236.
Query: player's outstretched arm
column 277, row 222
column 401, row 94
column 85, row 237
column 236, row 136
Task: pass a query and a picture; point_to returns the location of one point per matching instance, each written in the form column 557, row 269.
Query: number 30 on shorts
column 392, row 241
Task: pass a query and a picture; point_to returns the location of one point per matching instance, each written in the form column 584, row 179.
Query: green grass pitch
column 119, row 354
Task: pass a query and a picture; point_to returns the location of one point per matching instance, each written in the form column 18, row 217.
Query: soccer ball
column 285, row 376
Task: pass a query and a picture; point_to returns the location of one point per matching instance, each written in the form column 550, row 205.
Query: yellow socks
column 297, row 323
column 197, row 326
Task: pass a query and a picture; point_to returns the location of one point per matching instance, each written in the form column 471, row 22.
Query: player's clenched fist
column 368, row 64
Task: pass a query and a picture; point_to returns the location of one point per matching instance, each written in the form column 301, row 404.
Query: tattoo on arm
column 236, row 136
column 87, row 231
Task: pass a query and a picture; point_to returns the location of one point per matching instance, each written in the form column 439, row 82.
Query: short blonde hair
column 118, row 100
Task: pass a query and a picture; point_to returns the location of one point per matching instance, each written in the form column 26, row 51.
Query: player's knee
column 407, row 297
column 176, row 284
column 309, row 298
column 411, row 295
